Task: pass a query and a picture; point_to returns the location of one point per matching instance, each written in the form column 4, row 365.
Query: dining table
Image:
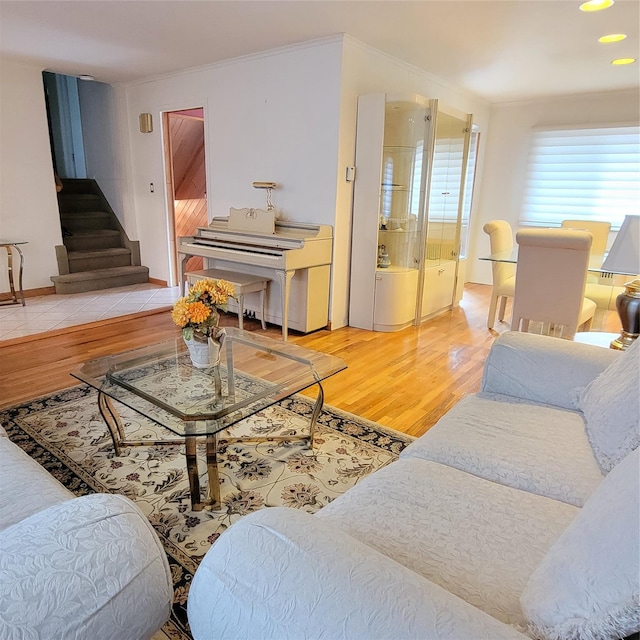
column 595, row 262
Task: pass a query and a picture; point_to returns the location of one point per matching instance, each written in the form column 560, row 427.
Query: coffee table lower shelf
column 112, row 419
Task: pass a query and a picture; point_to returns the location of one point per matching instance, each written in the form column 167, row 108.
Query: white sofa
column 516, row 516
column 87, row 568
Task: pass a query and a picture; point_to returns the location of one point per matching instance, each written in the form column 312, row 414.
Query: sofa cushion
column 611, row 408
column 26, row 487
column 542, row 369
column 91, row 567
column 282, row 573
column 526, row 446
column 477, row 539
column 587, row 585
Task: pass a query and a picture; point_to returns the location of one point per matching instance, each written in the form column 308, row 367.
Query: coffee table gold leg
column 112, row 420
column 192, row 471
column 212, row 472
column 217, row 381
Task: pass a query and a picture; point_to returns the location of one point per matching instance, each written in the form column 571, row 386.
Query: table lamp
column 624, row 258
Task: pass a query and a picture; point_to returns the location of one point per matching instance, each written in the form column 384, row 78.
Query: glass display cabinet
column 411, row 159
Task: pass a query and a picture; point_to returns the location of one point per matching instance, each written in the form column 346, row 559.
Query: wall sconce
column 146, row 123
column 268, row 186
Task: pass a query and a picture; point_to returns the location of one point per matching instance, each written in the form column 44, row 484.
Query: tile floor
column 52, row 312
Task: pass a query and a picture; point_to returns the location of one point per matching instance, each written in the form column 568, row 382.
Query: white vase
column 204, row 354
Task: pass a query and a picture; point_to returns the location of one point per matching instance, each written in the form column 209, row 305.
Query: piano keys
column 296, row 258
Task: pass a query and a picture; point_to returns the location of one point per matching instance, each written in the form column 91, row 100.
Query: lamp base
column 623, row 341
column 628, row 305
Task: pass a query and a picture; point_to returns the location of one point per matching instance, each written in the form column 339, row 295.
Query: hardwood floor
column 405, row 380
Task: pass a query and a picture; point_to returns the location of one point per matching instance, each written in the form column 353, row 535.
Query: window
column 587, row 173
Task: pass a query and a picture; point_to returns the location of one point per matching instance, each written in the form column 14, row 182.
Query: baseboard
column 160, row 283
column 29, row 293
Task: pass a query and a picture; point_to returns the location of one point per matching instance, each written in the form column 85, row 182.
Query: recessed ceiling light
column 612, row 37
column 620, row 61
column 85, row 76
column 596, row 5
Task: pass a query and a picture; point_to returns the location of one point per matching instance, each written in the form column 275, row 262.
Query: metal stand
column 9, row 247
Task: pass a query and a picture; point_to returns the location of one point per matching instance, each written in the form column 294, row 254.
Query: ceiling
column 501, row 50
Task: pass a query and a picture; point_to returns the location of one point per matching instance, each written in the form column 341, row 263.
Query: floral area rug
column 65, row 433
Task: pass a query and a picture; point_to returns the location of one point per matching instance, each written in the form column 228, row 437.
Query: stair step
column 77, row 221
column 72, row 202
column 100, row 259
column 95, row 256
column 76, row 185
column 100, row 279
column 93, row 240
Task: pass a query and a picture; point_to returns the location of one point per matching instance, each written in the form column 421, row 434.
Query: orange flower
column 180, row 313
column 217, row 292
column 198, row 310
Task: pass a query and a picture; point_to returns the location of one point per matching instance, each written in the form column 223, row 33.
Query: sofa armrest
column 542, row 369
column 284, row 574
column 90, row 567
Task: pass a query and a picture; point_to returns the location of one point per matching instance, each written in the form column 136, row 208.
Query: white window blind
column 588, row 173
column 446, row 179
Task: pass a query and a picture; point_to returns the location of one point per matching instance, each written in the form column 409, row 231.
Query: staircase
column 96, row 254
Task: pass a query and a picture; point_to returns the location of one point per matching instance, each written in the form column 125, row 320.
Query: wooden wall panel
column 187, row 143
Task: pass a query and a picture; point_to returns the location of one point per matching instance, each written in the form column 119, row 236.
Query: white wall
column 288, row 115
column 267, row 117
column 506, row 149
column 28, row 204
column 102, row 141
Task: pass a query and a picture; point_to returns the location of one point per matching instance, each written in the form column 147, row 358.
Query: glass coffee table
column 160, row 383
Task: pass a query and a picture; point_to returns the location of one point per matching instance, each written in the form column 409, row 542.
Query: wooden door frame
column 170, row 190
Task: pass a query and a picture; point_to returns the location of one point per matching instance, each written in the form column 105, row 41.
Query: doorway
column 186, row 180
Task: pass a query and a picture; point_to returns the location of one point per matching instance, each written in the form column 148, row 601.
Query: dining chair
column 598, row 229
column 503, row 273
column 550, row 281
column 602, row 288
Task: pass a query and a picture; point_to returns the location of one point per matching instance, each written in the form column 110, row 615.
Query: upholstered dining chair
column 602, row 288
column 503, row 273
column 550, row 281
column 599, row 231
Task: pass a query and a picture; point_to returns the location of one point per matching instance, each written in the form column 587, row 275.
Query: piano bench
column 242, row 283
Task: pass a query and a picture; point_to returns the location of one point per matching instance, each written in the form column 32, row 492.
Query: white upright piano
column 296, row 258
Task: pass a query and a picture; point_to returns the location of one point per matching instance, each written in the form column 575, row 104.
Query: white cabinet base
column 438, row 290
column 395, row 299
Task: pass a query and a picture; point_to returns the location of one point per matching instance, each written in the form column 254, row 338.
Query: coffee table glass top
column 160, row 382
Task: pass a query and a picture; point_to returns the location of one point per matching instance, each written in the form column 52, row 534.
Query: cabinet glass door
column 467, row 194
column 402, row 185
column 442, row 239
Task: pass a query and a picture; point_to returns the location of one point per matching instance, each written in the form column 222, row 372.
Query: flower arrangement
column 197, row 312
